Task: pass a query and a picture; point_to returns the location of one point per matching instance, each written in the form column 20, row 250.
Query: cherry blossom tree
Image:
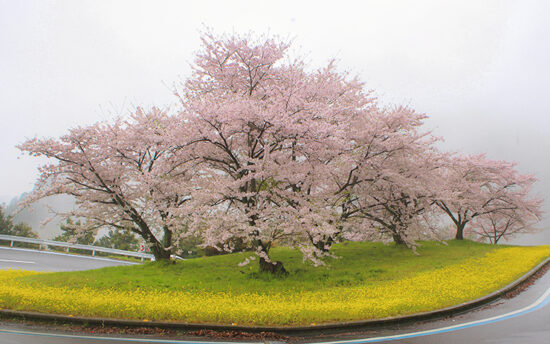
column 267, row 132
column 376, row 142
column 397, row 194
column 506, row 223
column 265, row 150
column 289, row 155
column 121, row 174
column 477, row 186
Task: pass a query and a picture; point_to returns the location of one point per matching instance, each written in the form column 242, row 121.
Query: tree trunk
column 157, row 248
column 460, row 231
column 275, row 268
column 167, row 238
column 160, row 252
column 398, row 240
column 323, row 244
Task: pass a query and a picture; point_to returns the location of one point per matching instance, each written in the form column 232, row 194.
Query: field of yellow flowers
column 440, row 285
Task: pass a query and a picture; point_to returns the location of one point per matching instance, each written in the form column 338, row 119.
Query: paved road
column 531, row 327
column 18, row 258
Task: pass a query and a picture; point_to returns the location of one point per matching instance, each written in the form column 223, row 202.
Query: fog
column 479, row 70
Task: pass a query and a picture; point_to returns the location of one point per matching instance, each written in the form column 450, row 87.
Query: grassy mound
column 369, row 280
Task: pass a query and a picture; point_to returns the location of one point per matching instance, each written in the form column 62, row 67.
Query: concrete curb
column 363, row 324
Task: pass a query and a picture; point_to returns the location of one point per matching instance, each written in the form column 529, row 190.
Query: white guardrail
column 68, row 246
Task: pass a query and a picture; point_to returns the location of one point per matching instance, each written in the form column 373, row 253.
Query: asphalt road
column 530, row 326
column 26, row 259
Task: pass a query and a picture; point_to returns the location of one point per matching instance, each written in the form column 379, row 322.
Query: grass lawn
column 369, row 280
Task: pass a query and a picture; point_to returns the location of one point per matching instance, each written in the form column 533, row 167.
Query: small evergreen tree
column 70, row 233
column 119, row 239
column 21, row 229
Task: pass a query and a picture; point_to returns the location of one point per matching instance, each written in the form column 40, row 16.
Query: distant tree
column 119, row 239
column 121, row 174
column 8, row 228
column 21, row 229
column 24, row 230
column 506, row 223
column 73, row 232
column 479, row 187
column 400, row 195
column 191, row 247
column 6, row 222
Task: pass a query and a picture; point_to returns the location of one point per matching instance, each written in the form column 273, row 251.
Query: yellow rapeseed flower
column 424, row 291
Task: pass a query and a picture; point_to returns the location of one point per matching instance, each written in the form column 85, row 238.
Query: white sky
column 479, row 69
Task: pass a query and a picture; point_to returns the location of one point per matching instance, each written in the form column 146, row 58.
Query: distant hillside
column 40, row 211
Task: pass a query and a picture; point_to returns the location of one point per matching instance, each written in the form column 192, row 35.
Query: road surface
column 19, row 258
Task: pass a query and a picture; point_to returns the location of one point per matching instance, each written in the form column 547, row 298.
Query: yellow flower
column 424, row 291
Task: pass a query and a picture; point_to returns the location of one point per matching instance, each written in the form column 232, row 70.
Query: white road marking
column 16, row 261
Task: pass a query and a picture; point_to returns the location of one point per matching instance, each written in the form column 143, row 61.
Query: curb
column 364, row 324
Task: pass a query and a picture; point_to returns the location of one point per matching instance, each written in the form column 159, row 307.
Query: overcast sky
column 479, row 69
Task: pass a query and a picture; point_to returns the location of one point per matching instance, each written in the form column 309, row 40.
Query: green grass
column 359, row 264
column 368, row 281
